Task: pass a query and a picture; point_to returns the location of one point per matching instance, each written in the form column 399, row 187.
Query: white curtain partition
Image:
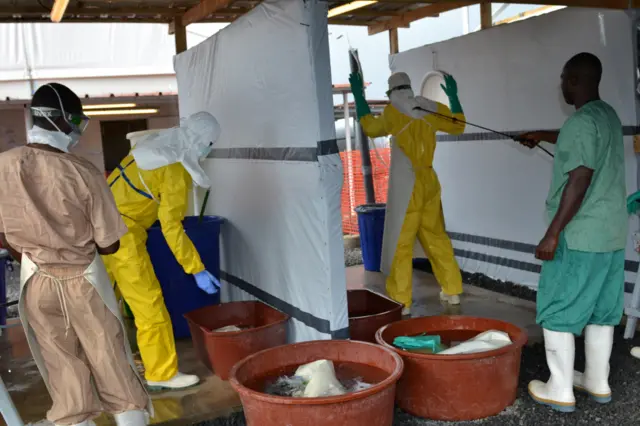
column 508, row 78
column 276, row 170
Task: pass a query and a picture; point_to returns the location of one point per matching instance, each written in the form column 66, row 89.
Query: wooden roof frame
column 385, row 15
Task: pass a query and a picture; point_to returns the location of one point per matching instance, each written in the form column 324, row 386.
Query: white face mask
column 206, row 151
column 58, row 140
column 404, row 101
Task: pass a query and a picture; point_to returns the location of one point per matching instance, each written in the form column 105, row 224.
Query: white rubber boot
column 132, row 418
column 451, row 299
column 598, row 342
column 179, row 381
column 557, row 393
column 406, row 312
column 635, row 352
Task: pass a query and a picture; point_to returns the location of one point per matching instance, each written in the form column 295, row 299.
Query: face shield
column 77, row 122
column 406, row 88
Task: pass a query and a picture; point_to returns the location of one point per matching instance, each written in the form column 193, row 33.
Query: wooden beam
column 394, row 46
column 486, row 16
column 181, row 35
column 93, row 11
column 405, row 19
column 600, row 4
column 348, row 22
column 203, row 10
column 526, row 14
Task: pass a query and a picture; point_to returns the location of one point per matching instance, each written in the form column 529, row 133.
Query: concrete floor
column 215, row 398
column 212, row 398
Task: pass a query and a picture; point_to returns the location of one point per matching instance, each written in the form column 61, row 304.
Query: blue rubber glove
column 207, row 282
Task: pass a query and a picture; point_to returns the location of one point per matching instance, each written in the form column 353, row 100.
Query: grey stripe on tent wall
column 299, row 154
column 330, row 146
column 630, row 266
column 319, row 324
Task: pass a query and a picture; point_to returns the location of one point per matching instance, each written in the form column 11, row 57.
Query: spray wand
column 511, row 137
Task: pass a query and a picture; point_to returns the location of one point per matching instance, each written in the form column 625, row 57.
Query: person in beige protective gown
column 57, row 215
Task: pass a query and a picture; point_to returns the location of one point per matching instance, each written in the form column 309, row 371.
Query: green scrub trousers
column 580, row 288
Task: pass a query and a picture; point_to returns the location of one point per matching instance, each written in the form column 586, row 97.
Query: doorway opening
column 115, row 144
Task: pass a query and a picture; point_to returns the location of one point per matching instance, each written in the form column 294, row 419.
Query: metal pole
column 367, row 172
column 349, row 147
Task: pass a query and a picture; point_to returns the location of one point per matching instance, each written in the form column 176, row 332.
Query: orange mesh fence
column 353, row 191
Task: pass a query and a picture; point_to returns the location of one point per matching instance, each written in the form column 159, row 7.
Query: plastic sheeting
column 493, row 190
column 276, row 171
column 35, row 54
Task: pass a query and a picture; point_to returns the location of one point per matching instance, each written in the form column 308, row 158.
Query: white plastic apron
column 400, row 187
column 96, row 275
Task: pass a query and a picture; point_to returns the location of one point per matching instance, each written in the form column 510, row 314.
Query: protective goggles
column 78, row 122
column 402, row 87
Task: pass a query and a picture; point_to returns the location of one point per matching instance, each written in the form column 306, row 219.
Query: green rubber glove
column 431, row 343
column 357, row 88
column 450, row 88
column 633, row 203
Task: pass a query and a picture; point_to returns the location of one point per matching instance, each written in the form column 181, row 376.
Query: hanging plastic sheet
column 276, row 172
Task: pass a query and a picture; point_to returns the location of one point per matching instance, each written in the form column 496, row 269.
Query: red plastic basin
column 456, row 387
column 220, row 351
column 371, row 407
column 368, row 311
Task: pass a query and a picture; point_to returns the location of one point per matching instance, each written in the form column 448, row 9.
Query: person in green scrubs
column 583, row 251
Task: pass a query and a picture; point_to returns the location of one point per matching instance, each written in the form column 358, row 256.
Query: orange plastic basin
column 266, row 327
column 368, row 311
column 456, row 387
column 371, row 407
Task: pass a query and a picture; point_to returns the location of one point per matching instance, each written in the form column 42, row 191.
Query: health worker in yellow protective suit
column 413, row 122
column 152, row 183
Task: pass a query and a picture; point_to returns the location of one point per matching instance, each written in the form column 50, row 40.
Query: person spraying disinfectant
column 152, row 183
column 414, row 121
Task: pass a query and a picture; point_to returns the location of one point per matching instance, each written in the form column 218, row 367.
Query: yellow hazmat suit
column 424, row 218
column 162, row 196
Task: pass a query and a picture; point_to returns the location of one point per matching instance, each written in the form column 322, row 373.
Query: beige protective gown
column 55, row 208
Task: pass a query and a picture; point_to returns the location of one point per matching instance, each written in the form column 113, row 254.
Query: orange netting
column 353, row 192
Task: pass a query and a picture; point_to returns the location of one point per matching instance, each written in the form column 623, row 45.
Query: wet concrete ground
column 215, row 399
column 212, row 398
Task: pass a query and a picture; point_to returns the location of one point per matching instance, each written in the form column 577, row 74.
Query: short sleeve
column 108, row 226
column 578, row 144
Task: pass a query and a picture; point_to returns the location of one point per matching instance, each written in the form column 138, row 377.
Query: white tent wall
column 509, row 77
column 276, row 170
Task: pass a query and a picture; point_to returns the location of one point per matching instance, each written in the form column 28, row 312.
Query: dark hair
column 586, row 66
column 46, row 96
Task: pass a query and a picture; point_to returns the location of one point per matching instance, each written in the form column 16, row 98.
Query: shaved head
column 581, row 78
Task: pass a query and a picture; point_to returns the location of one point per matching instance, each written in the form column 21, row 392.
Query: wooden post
column 486, row 17
column 394, row 45
column 180, row 32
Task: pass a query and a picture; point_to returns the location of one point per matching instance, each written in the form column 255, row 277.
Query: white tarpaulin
column 77, row 54
column 276, row 171
column 493, row 190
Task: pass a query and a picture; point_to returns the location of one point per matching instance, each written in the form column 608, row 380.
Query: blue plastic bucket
column 181, row 294
column 371, row 227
